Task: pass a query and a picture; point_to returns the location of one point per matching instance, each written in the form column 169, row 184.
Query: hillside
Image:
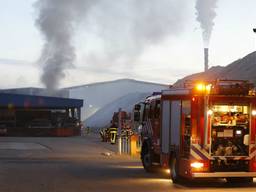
column 241, row 69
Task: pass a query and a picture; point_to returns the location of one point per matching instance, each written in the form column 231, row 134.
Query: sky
column 165, row 62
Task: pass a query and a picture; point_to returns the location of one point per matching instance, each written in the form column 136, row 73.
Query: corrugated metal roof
column 29, row 101
column 115, row 81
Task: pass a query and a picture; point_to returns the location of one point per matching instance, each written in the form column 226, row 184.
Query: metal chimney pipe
column 206, row 55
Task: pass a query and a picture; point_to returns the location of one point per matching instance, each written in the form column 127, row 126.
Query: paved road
column 80, row 164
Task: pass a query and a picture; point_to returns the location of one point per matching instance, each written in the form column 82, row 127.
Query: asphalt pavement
column 79, row 164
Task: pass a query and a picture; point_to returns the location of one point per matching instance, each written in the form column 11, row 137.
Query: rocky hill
column 241, row 69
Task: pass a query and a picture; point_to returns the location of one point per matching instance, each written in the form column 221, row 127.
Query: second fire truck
column 204, row 130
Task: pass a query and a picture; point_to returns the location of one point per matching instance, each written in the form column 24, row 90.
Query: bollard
column 119, row 145
column 134, row 145
column 128, row 145
column 123, row 145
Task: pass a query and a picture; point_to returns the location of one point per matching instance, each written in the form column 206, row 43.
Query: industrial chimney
column 206, row 59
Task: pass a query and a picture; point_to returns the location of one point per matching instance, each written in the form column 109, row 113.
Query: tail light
column 253, row 165
column 199, row 166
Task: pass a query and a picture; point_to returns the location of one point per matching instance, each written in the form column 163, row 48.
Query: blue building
column 39, row 115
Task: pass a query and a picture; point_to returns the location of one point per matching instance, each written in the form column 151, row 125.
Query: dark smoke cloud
column 205, row 16
column 56, row 20
column 126, row 28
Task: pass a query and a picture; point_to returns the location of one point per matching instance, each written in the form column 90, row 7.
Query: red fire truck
column 203, row 130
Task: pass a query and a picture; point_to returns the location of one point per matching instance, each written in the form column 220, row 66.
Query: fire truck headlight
column 254, row 112
column 197, row 165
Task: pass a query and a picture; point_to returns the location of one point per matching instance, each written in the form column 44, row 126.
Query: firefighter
column 104, row 135
column 113, row 133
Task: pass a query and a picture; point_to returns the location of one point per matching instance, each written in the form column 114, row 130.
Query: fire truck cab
column 203, row 130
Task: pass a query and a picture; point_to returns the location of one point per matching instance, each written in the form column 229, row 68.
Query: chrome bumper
column 224, row 174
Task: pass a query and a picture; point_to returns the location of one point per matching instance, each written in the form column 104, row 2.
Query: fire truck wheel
column 175, row 171
column 239, row 179
column 147, row 159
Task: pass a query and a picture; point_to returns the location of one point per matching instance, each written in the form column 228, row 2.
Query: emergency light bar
column 222, row 87
column 231, row 87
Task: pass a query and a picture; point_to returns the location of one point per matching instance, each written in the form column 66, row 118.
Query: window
column 186, row 114
column 157, row 109
column 146, row 111
column 151, row 110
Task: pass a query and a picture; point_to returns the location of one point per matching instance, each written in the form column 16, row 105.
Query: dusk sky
column 164, row 61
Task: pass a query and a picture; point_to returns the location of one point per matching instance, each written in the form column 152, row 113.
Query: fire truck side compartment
column 175, row 124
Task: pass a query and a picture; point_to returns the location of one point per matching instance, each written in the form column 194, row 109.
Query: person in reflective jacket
column 113, row 133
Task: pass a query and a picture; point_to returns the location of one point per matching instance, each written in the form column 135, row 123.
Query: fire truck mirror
column 137, row 107
column 246, row 140
column 136, row 116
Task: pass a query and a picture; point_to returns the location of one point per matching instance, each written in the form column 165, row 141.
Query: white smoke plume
column 125, row 28
column 131, row 26
column 205, row 16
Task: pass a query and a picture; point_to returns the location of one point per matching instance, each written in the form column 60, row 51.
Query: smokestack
column 206, row 59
